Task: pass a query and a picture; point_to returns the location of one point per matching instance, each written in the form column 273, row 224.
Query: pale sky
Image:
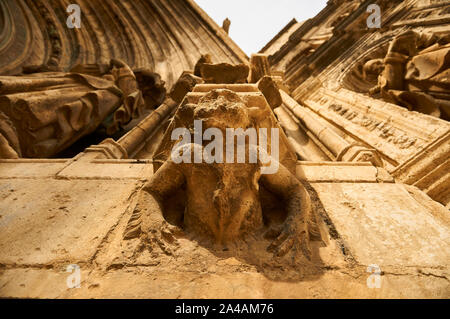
column 256, row 22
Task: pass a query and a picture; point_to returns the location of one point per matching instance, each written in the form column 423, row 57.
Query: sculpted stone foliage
column 44, row 113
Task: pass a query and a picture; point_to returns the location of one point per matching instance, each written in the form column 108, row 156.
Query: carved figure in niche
column 222, row 201
column 414, row 74
column 42, row 114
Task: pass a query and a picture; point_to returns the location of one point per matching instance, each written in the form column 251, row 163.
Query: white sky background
column 256, row 22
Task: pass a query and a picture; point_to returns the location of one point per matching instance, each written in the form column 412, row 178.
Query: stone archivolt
column 144, row 34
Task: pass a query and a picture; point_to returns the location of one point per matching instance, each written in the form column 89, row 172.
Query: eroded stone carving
column 224, row 73
column 259, row 66
column 226, row 25
column 269, row 88
column 185, row 84
column 204, row 59
column 415, row 73
column 227, row 206
column 384, row 128
column 43, row 113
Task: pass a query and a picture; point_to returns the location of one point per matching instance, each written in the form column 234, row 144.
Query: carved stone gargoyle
column 222, row 202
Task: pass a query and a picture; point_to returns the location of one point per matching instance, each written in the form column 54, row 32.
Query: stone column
column 302, row 143
column 140, row 133
column 341, row 149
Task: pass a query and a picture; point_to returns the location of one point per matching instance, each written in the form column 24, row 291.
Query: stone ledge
column 31, row 168
column 101, row 169
column 338, row 172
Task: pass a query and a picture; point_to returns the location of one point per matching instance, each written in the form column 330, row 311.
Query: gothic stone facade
column 364, row 146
